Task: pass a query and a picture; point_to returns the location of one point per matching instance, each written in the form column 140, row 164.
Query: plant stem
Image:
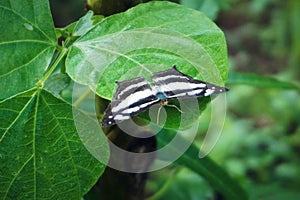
column 165, row 187
column 61, row 55
column 82, row 97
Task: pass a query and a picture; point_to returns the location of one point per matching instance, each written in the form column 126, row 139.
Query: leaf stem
column 81, row 98
column 60, row 56
column 165, row 187
column 218, row 178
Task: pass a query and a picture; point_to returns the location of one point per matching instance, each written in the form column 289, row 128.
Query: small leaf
column 84, row 24
column 41, row 154
column 27, row 44
column 256, row 80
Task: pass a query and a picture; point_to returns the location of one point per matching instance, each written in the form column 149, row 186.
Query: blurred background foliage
column 260, row 142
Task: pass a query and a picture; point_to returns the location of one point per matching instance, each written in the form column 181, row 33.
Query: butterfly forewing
column 175, row 84
column 131, row 97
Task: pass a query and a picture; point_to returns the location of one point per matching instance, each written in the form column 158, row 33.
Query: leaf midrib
column 67, row 141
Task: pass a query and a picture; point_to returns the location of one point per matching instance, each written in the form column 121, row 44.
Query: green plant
column 41, row 153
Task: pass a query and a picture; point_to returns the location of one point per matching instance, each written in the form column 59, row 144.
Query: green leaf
column 27, row 43
column 56, row 83
column 148, row 38
column 256, row 80
column 205, row 167
column 41, row 153
column 84, row 24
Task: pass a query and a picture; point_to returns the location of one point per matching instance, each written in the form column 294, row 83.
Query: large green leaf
column 27, row 43
column 148, row 38
column 41, row 154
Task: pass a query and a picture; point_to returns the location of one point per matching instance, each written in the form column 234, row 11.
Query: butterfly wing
column 131, row 97
column 136, row 95
column 175, row 84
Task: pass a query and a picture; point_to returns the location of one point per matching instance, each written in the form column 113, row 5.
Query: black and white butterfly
column 136, row 95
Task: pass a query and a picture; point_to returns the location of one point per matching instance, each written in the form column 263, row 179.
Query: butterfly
column 137, row 95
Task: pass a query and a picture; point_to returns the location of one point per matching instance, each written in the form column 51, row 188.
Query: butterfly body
column 137, row 95
column 161, row 96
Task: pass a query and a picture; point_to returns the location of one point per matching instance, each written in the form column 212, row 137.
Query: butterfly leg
column 174, row 106
column 158, row 113
column 165, row 103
